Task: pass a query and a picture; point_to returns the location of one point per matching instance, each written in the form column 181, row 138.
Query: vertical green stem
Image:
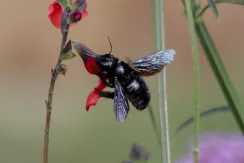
column 220, row 72
column 160, row 45
column 189, row 8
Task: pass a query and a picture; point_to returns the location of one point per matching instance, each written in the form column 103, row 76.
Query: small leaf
column 237, row 2
column 214, row 8
column 64, row 3
column 68, row 56
column 79, row 4
column 62, row 69
column 66, row 52
column 64, row 21
column 67, row 48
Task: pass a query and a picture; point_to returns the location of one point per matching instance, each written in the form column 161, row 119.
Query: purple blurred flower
column 139, row 153
column 218, row 148
column 127, row 161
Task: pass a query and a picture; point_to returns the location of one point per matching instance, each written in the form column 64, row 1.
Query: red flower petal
column 55, row 14
column 93, row 97
column 84, row 14
column 100, row 85
column 90, row 65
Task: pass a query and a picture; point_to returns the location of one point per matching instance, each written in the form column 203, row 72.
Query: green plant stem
column 220, row 72
column 189, row 9
column 49, row 101
column 160, row 45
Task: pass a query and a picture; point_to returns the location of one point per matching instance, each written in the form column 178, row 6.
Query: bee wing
column 153, row 63
column 121, row 105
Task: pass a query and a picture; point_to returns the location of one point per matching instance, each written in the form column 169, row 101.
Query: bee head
column 106, row 61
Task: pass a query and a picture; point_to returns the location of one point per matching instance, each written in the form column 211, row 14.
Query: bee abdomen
column 138, row 93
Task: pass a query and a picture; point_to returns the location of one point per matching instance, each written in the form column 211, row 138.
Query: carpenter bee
column 124, row 77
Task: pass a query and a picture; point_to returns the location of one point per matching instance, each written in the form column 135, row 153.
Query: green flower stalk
column 190, row 5
column 158, row 6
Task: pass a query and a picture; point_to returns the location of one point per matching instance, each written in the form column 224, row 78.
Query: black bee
column 124, row 77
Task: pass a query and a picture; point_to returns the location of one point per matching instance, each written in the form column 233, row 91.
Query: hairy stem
column 54, row 75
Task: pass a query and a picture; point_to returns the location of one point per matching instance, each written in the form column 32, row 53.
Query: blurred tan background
column 29, row 49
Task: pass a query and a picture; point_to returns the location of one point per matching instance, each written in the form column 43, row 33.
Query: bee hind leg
column 106, row 94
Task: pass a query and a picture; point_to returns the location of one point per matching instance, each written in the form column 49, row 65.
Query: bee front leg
column 106, row 83
column 106, row 94
column 102, row 76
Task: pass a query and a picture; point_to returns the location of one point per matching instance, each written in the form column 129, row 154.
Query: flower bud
column 62, row 69
column 74, row 17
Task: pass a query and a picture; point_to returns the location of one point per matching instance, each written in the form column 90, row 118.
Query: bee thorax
column 120, row 70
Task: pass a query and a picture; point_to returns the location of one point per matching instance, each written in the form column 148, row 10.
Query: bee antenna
column 111, row 47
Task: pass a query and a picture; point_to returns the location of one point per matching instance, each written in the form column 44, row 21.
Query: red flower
column 55, row 14
column 94, row 96
column 91, row 65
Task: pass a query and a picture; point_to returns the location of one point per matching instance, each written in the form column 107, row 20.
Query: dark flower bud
column 74, row 17
column 62, row 69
